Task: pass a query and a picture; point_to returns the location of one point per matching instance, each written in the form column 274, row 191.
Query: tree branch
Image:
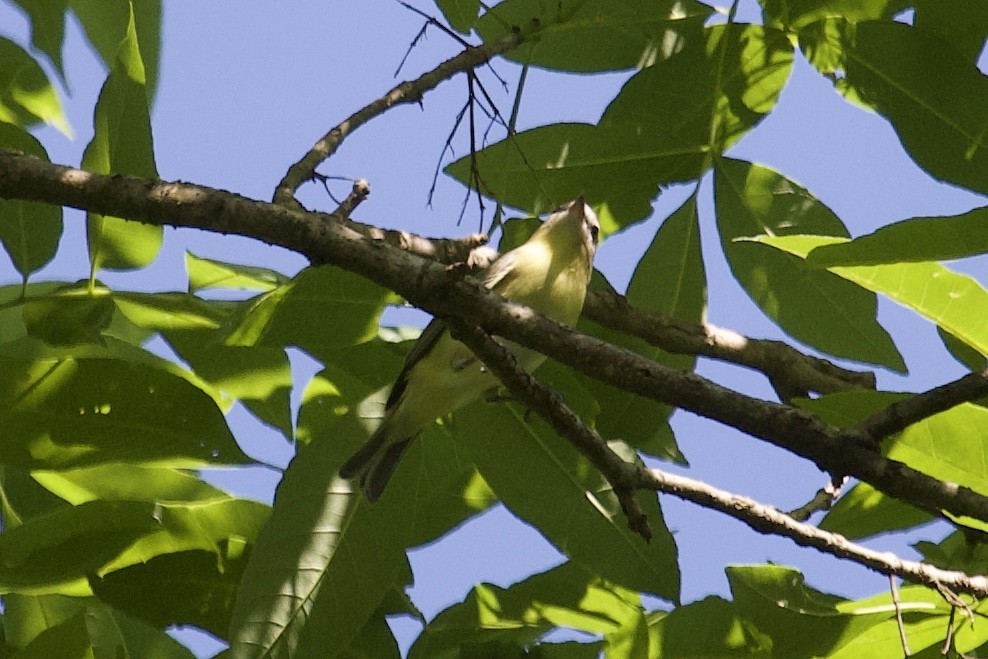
column 405, row 92
column 428, row 285
column 897, row 416
column 769, row 520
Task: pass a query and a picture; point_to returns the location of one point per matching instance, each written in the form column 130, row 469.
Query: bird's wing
column 430, row 335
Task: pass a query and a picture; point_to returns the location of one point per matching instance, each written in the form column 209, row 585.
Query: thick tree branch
column 427, row 284
column 406, row 92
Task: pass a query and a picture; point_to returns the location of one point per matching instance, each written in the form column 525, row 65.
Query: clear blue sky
column 246, row 88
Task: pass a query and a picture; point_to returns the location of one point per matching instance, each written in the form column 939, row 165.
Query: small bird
column 549, row 272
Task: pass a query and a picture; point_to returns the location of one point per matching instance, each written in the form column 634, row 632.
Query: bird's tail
column 374, row 462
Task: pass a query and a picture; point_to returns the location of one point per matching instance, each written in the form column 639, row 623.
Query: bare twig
column 894, row 589
column 359, row 192
column 405, row 92
column 897, row 416
column 766, row 519
column 428, row 285
column 822, row 500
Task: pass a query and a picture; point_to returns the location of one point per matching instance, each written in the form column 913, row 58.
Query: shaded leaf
column 68, row 317
column 915, row 239
column 26, row 94
column 47, row 28
column 953, row 301
column 566, row 597
column 962, row 24
column 711, row 627
column 612, row 34
column 661, row 128
column 320, row 308
column 107, row 22
column 460, row 14
column 67, row 640
column 936, row 100
column 799, row 13
column 61, row 413
column 543, row 480
column 122, row 144
column 29, row 230
column 817, row 308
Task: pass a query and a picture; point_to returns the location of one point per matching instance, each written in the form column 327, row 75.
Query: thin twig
column 405, row 92
column 894, row 589
column 359, row 192
column 822, row 500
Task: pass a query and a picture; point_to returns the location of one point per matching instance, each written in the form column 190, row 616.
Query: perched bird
column 549, row 272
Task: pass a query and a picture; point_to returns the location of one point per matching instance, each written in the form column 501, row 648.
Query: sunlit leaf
column 796, row 14
column 915, row 239
column 612, row 34
column 26, row 94
column 711, row 627
column 58, row 413
column 953, row 301
column 122, row 144
column 107, row 22
column 815, row 307
column 207, row 273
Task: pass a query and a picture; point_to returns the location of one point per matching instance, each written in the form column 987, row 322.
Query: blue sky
column 246, row 88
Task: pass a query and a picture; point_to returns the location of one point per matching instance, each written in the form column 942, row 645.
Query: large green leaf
column 122, row 144
column 564, row 597
column 711, row 627
column 795, row 14
column 611, row 34
column 58, row 413
column 321, row 308
column 47, row 28
column 963, row 24
column 127, row 482
column 460, row 14
column 953, row 301
column 799, row 620
column 207, row 273
column 108, row 22
column 661, row 128
column 915, row 239
column 70, row 542
column 29, row 230
column 543, row 480
column 26, row 94
column 670, row 279
column 815, row 307
column 111, row 633
column 936, row 99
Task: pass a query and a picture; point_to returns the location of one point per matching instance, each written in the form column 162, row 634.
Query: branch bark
column 427, row 284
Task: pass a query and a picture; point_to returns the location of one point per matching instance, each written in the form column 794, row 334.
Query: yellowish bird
column 549, row 272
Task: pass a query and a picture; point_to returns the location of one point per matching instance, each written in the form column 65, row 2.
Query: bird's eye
column 594, row 232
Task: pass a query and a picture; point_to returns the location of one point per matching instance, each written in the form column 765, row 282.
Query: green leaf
column 566, row 597
column 171, row 311
column 58, row 413
column 543, row 480
column 122, row 144
column 68, row 639
column 47, row 28
column 711, row 627
column 26, row 94
column 110, row 632
column 953, row 301
column 962, row 352
column 190, row 588
column 207, row 273
column 915, row 239
column 670, row 279
column 795, row 15
column 865, row 512
column 662, row 128
column 70, row 542
column 68, row 317
column 320, row 308
column 936, row 100
column 127, row 482
column 108, row 22
column 29, row 230
column 814, row 307
column 962, row 24
column 611, row 34
column 800, row 620
column 460, row 14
